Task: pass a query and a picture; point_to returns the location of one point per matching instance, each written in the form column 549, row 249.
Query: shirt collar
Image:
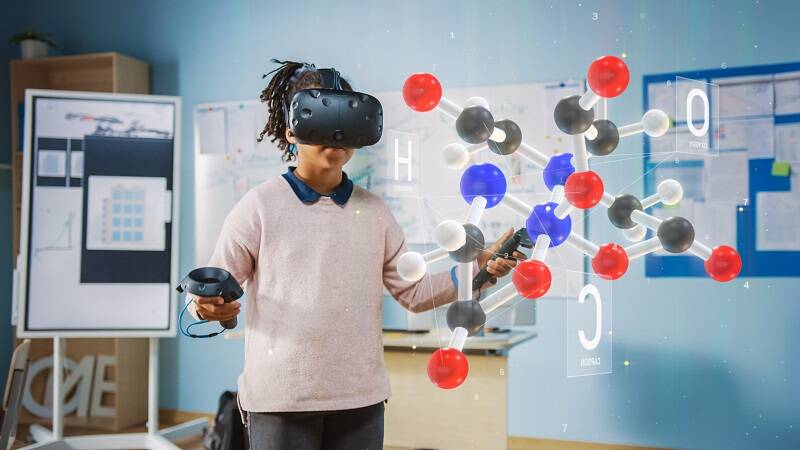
column 340, row 194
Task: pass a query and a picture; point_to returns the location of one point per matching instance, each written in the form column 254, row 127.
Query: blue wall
column 712, row 366
column 11, row 22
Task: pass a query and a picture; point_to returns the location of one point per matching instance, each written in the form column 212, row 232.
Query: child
column 314, row 253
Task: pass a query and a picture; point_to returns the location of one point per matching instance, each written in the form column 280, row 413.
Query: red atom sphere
column 448, row 368
column 608, row 76
column 611, row 261
column 724, row 264
column 422, row 92
column 583, row 189
column 531, row 278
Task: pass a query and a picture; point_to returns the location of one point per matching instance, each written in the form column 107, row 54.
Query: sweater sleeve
column 429, row 292
column 237, row 246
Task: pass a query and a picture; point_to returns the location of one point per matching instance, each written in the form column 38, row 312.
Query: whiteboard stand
column 153, row 439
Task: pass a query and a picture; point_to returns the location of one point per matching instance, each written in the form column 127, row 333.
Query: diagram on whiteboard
column 62, row 242
column 126, row 213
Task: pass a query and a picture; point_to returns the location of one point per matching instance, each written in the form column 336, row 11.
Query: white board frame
column 22, row 291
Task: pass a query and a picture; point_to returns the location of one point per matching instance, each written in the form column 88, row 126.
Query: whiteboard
column 226, row 169
column 99, row 231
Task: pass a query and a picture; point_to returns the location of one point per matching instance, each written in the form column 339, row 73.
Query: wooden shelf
column 97, row 72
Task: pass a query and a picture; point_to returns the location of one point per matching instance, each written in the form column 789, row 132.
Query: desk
column 472, row 416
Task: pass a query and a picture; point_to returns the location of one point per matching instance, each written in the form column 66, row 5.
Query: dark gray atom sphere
column 466, row 314
column 676, row 234
column 606, row 140
column 472, row 247
column 513, row 138
column 475, row 124
column 619, row 213
column 570, row 117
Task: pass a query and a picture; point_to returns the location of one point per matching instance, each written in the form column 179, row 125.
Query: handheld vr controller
column 213, row 282
column 519, row 239
column 335, row 117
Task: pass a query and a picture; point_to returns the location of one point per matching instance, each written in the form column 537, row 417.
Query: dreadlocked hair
column 290, row 77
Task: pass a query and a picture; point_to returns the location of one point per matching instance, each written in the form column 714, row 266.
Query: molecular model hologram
column 572, row 185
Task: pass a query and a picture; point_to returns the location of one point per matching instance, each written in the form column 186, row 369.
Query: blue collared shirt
column 340, row 194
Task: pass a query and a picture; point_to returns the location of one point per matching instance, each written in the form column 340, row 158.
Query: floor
column 195, row 443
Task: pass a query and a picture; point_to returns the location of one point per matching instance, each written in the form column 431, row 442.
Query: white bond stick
column 499, row 298
column 588, row 100
column 602, row 110
column 476, row 209
column 540, row 247
column 581, row 157
column 435, row 255
column 607, row 199
column 640, row 249
column 650, row 201
column 557, row 194
column 476, row 148
column 516, row 205
column 449, row 108
column 464, row 274
column 563, row 209
column 498, row 135
column 629, row 130
column 642, row 218
column 576, row 240
column 591, row 133
column 458, row 338
column 533, row 155
column 700, row 250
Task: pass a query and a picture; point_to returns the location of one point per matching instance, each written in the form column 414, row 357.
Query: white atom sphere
column 456, row 156
column 450, row 235
column 670, row 192
column 411, row 266
column 635, row 234
column 655, row 122
column 477, row 101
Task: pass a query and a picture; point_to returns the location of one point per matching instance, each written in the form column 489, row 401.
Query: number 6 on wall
column 592, row 344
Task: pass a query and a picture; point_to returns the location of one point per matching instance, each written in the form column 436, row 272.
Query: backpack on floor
column 228, row 432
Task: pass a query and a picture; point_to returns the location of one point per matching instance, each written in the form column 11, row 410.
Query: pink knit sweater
column 313, row 276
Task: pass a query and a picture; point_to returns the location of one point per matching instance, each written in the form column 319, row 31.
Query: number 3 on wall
column 690, row 116
column 592, row 344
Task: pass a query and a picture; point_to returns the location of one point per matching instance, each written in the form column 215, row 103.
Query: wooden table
column 472, row 416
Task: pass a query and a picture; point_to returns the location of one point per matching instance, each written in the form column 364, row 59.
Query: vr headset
column 333, row 117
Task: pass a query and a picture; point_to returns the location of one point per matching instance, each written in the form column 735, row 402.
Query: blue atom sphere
column 483, row 180
column 543, row 220
column 557, row 170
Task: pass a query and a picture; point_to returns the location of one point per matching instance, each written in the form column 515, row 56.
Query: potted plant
column 32, row 44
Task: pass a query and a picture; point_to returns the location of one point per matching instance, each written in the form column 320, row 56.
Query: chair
column 12, row 398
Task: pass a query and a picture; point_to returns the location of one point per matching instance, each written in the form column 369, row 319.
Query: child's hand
column 499, row 267
column 215, row 308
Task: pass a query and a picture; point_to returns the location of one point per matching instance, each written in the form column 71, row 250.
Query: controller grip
column 506, row 250
column 229, row 297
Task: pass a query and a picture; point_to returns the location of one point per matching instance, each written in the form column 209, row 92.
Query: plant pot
column 31, row 48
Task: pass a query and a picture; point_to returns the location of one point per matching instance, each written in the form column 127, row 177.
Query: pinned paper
column 781, row 169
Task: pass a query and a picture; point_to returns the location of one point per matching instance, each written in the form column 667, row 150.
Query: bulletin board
column 99, row 215
column 745, row 191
